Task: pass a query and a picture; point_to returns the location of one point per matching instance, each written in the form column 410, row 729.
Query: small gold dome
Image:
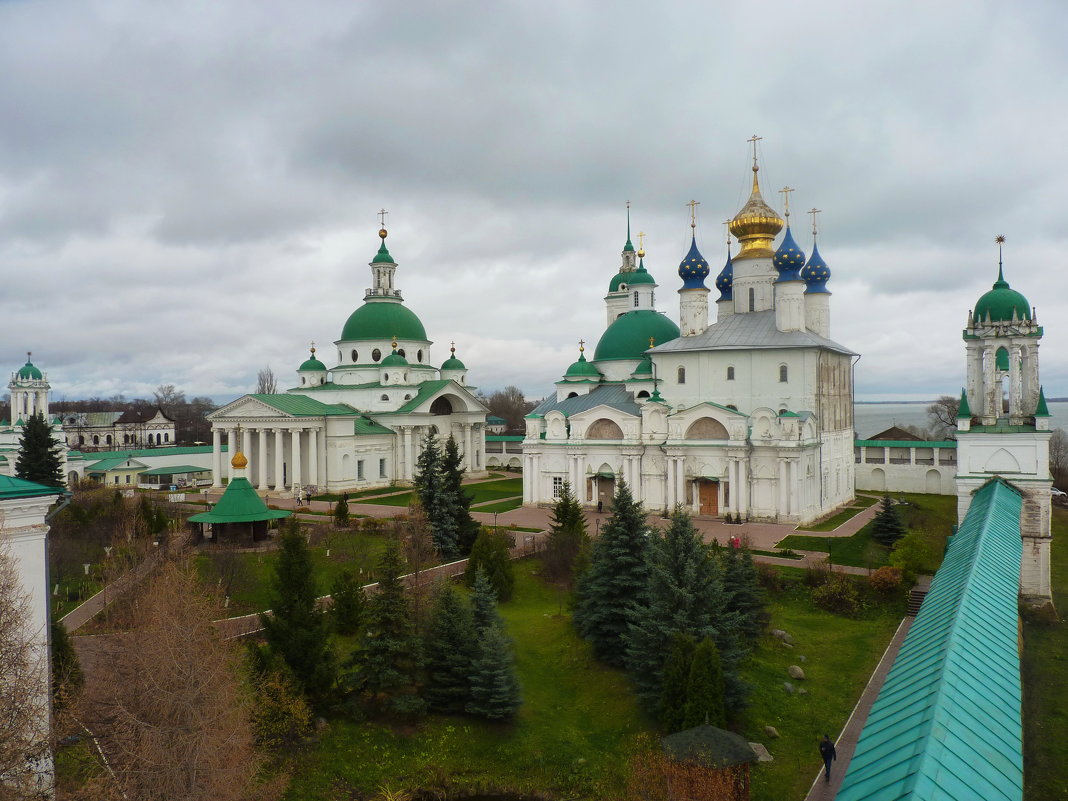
column 756, row 225
column 239, row 462
column 382, row 232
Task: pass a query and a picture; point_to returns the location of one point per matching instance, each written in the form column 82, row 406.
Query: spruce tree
column 341, row 512
column 490, row 555
column 452, row 476
column 744, row 594
column 39, row 457
column 671, row 706
column 494, row 684
column 484, row 604
column 388, row 657
column 348, row 603
column 705, row 688
column 684, row 594
column 888, row 527
column 451, row 648
column 296, row 629
column 613, row 588
column 438, row 503
column 567, row 537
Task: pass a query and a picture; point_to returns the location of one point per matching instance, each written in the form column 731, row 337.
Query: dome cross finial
column 785, row 192
column 313, row 347
column 582, row 345
column 814, row 211
column 756, row 168
column 641, row 244
column 693, row 204
column 1000, row 240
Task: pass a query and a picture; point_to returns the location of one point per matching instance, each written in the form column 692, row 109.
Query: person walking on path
column 828, row 754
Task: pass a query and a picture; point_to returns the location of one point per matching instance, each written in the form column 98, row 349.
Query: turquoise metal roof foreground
column 947, row 724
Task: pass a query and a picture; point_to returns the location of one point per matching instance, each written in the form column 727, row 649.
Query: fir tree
column 348, row 603
column 887, row 527
column 451, row 648
column 494, row 684
column 671, row 707
column 484, row 604
column 567, row 537
column 684, row 594
column 611, row 591
column 452, row 476
column 744, row 593
column 341, row 512
column 438, row 503
column 39, row 457
column 705, row 688
column 388, row 657
column 490, row 555
column 296, row 630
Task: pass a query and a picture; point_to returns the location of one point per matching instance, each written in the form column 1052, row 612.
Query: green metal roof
column 394, row 359
column 11, row 487
column 947, row 723
column 452, row 363
column 904, row 443
column 176, row 451
column 104, row 465
column 382, row 257
column 239, row 504
column 426, row 390
column 383, row 318
column 303, row 406
column 29, row 371
column 175, row 470
column 629, row 334
column 964, row 411
column 365, row 425
column 582, row 369
column 504, row 438
column 312, row 364
column 1002, row 303
column 1042, row 410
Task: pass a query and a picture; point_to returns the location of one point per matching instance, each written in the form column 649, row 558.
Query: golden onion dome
column 239, row 462
column 756, row 225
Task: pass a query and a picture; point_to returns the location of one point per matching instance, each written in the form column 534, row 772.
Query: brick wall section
column 526, row 544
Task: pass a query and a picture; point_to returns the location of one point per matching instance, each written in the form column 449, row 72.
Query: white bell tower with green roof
column 1003, row 422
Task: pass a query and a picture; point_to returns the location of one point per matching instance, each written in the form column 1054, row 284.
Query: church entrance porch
column 707, row 497
column 601, row 488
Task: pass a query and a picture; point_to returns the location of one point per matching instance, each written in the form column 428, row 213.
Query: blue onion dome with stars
column 725, row 280
column 693, row 269
column 816, row 272
column 789, row 258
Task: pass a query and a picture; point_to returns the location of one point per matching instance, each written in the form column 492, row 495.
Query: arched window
column 355, row 355
column 107, row 439
column 303, row 379
column 401, row 352
column 572, row 394
column 407, row 397
column 784, row 375
column 166, row 437
column 752, row 299
column 376, row 354
column 159, row 439
column 385, row 377
column 384, row 397
column 730, row 373
column 732, row 407
column 441, row 406
column 682, row 375
column 419, row 356
column 604, row 429
column 96, row 439
column 635, row 297
column 643, row 394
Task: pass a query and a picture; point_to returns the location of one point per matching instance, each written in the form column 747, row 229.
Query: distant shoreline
column 917, row 403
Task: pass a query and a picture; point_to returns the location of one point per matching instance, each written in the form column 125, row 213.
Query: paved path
column 846, row 743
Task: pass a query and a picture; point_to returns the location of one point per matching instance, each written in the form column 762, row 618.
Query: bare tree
column 266, row 383
column 24, row 693
column 1058, row 455
column 417, row 545
column 510, row 405
column 165, row 703
column 168, row 396
column 942, row 417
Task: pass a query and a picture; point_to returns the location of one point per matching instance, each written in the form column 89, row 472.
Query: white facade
column 362, row 423
column 30, row 392
column 750, row 417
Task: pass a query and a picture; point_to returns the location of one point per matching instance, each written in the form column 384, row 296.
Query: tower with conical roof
column 815, row 274
column 789, row 285
column 693, row 295
column 29, row 389
column 1003, row 426
column 631, row 283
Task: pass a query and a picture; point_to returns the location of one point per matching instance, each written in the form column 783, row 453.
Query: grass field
column 1044, row 671
column 501, row 506
column 830, row 524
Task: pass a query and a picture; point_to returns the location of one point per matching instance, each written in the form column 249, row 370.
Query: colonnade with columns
column 279, row 456
column 985, row 385
column 28, row 401
column 409, row 444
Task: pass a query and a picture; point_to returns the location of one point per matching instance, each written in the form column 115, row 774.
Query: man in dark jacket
column 828, row 754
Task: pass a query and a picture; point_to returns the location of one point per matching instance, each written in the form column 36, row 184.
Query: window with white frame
column 558, row 486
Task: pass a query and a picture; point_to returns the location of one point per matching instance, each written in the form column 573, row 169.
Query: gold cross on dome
column 582, row 345
column 693, row 204
column 652, row 341
column 382, row 217
column 753, row 140
column 814, row 211
column 785, row 192
column 313, row 347
column 641, row 240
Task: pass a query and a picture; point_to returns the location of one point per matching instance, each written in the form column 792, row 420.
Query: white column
column 231, row 449
column 743, row 487
column 216, row 457
column 680, row 479
column 408, row 469
column 313, row 457
column 296, row 478
column 669, row 484
column 469, row 462
column 1015, row 382
column 990, row 389
column 279, row 462
column 261, row 461
column 783, row 503
column 526, row 478
column 246, row 443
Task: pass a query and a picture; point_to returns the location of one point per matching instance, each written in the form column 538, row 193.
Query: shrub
column 886, row 580
column 839, row 595
column 911, row 554
column 491, row 554
column 280, row 716
column 770, row 578
column 818, row 573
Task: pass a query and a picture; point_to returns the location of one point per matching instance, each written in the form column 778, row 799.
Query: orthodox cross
column 785, row 192
column 382, row 217
column 727, row 224
column 582, row 345
column 754, row 139
column 693, row 204
column 313, row 347
column 814, row 211
column 641, row 241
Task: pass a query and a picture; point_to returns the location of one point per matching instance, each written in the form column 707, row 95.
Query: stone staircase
column 917, row 594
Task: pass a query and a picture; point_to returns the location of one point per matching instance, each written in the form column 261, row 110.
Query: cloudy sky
column 188, row 190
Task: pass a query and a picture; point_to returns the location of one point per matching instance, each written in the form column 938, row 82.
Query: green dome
column 582, row 369
column 452, row 363
column 383, row 319
column 1000, row 303
column 312, row 364
column 639, row 276
column 644, row 369
column 382, row 257
column 628, row 335
column 28, row 371
column 394, row 360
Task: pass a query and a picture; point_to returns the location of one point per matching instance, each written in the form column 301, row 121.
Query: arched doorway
column 934, row 482
column 601, row 486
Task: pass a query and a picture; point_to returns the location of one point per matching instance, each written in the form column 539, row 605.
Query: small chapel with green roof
column 361, row 422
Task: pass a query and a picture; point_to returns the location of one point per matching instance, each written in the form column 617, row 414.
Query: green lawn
column 830, row 524
column 250, row 591
column 481, row 493
column 860, row 550
column 1044, row 671
column 501, row 506
column 573, row 734
column 840, row 656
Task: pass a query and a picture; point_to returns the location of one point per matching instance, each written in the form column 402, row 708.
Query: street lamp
column 494, row 522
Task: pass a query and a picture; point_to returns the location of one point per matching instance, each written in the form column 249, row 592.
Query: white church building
column 362, row 422
column 749, row 415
